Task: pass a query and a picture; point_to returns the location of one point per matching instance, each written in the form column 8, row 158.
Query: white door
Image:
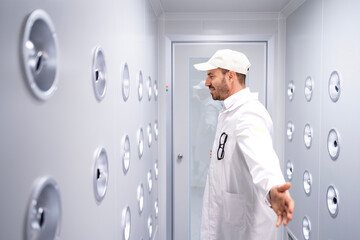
column 194, row 124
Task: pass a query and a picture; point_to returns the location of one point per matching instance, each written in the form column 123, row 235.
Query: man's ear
column 232, row 76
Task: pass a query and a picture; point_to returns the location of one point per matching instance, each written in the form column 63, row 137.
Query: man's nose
column 207, row 82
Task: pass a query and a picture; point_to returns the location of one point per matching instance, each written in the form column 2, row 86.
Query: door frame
column 181, row 188
column 167, row 192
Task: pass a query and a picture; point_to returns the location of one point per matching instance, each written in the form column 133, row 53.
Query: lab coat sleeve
column 255, row 143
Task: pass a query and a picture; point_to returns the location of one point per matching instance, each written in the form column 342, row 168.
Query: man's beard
column 221, row 92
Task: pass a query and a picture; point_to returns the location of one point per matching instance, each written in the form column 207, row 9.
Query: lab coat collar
column 239, row 98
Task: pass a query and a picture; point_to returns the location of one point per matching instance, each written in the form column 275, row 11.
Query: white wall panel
column 320, row 39
column 341, row 52
column 58, row 137
column 303, row 59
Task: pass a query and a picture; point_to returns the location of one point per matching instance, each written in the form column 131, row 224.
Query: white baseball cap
column 226, row 59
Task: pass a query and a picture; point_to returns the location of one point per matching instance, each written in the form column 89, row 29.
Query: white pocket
column 235, row 210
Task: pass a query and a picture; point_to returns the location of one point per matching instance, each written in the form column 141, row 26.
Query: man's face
column 217, row 83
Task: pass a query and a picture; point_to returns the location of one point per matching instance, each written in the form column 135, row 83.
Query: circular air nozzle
column 44, row 211
column 40, row 54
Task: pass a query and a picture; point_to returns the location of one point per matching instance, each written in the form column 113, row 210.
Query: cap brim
column 204, row 66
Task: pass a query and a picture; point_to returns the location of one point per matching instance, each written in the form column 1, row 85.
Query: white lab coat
column 235, row 204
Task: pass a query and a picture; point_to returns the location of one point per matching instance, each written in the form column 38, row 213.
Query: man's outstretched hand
column 282, row 203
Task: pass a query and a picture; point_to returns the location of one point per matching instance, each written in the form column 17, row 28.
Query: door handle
column 180, row 157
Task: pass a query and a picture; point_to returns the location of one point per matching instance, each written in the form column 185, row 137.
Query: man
column 245, row 185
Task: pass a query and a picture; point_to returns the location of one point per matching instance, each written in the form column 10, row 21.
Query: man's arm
column 282, row 203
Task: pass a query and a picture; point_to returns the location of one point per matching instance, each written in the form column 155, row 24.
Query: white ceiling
column 221, row 6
